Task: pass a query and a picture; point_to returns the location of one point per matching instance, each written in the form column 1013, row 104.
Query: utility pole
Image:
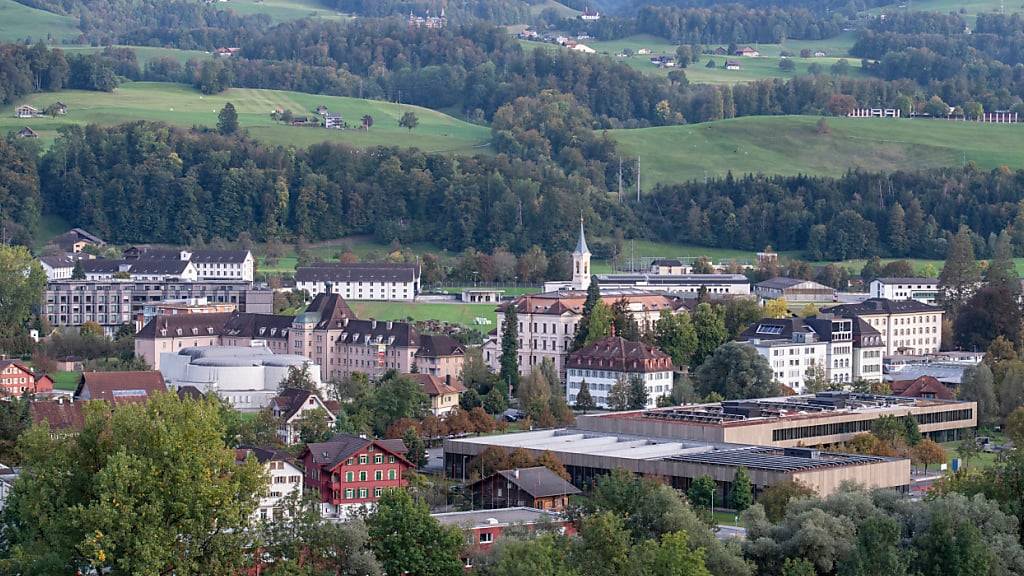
column 638, row 179
column 620, row 179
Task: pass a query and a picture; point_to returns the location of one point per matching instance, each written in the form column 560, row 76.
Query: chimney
column 448, row 379
column 515, row 473
column 373, row 324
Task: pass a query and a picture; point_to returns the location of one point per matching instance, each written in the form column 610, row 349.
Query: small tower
column 581, row 262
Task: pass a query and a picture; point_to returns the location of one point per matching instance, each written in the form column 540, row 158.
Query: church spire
column 581, row 245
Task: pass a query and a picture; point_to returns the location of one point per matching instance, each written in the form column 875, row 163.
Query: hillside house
column 290, row 406
column 284, row 478
column 60, row 108
column 333, row 121
column 536, row 487
column 732, row 65
column 747, row 52
column 443, row 392
column 26, row 111
column 589, row 15
column 321, row 110
column 27, row 132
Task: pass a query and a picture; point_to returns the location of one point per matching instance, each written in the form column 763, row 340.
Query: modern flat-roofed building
column 485, row 527
column 907, row 326
column 715, row 284
column 588, row 454
column 368, row 281
column 790, row 421
column 113, row 303
column 924, row 290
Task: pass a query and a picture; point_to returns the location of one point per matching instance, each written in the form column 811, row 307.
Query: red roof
column 120, row 387
column 62, row 416
column 922, row 387
column 434, row 386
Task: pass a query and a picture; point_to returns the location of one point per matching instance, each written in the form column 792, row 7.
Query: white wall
column 600, row 382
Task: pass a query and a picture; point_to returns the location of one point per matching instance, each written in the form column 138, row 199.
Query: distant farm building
column 875, row 113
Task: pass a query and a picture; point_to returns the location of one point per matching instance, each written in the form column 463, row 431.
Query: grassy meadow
column 144, row 53
column 18, row 22
column 455, row 313
column 182, row 105
column 282, row 10
column 792, row 145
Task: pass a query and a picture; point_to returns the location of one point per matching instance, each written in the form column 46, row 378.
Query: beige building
column 327, row 333
column 444, row 393
column 907, row 326
column 547, row 322
column 791, row 421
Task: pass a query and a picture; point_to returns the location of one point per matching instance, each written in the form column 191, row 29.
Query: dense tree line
column 625, row 7
column 919, row 23
column 150, row 182
column 25, row 69
column 496, row 11
column 179, row 23
column 854, row 216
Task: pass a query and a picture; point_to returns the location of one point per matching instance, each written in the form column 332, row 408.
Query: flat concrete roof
column 495, row 517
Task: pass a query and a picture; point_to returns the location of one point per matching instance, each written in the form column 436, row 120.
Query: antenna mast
column 638, row 179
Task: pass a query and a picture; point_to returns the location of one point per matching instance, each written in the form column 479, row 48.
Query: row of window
column 362, row 493
column 858, row 426
column 377, row 474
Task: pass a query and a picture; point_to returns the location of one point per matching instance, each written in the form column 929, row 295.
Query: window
column 377, row 492
column 363, row 459
column 378, row 459
column 363, row 492
column 378, row 475
column 486, row 537
column 362, row 476
column 349, row 476
column 349, row 493
column 391, row 474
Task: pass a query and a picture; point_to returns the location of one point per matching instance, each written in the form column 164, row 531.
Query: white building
column 284, row 478
column 794, row 290
column 334, row 121
column 924, row 290
column 102, row 270
column 583, row 48
column 247, row 377
column 613, row 359
column 57, row 267
column 845, row 348
column 7, row 478
column 360, row 281
column 290, row 406
column 907, row 326
column 209, row 264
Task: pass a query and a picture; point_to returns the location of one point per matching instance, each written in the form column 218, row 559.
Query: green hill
column 183, row 106
column 18, row 22
column 792, row 145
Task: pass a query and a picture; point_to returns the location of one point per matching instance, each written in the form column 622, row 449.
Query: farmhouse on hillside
column 26, row 111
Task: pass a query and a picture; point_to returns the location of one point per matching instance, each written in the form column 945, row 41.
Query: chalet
column 26, row 111
column 747, row 52
column 536, row 487
column 120, row 387
column 226, row 52
column 349, row 473
column 16, row 379
column 643, row 51
column 300, row 121
column 284, row 478
column 589, row 15
column 443, row 393
column 290, row 406
column 60, row 108
column 719, row 51
column 819, row 54
column 321, row 110
column 26, row 132
column 732, row 65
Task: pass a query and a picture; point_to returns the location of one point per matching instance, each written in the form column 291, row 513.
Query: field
column 463, row 314
column 65, row 380
column 183, row 106
column 144, row 53
column 967, row 8
column 363, row 247
column 18, row 22
column 765, row 66
column 792, row 145
column 282, row 10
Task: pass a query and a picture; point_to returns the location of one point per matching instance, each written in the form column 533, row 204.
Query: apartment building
column 209, row 264
column 360, row 281
column 610, row 360
column 924, row 290
column 906, row 326
column 113, row 303
column 284, row 478
column 847, row 349
column 349, row 473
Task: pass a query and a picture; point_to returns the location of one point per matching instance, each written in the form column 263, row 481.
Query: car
column 513, row 415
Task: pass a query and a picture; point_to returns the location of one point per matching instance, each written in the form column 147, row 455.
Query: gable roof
column 251, row 325
column 538, row 482
column 184, row 325
column 190, row 392
column 329, row 311
column 339, row 448
column 290, row 401
column 263, row 455
column 121, row 387
column 434, row 386
column 666, row 262
column 21, row 366
column 434, row 345
column 780, row 282
column 62, row 416
column 922, row 387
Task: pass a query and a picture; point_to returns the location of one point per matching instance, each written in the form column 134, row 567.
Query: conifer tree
column 510, row 350
column 959, row 275
column 593, row 297
column 584, row 401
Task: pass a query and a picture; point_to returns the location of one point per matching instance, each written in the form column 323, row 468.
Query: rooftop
column 709, row 279
column 369, row 272
column 907, row 280
column 630, row 447
column 882, row 306
column 496, row 517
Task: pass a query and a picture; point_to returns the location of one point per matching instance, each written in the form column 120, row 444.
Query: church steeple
column 581, row 261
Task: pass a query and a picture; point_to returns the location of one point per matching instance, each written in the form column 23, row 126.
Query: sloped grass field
column 792, row 145
column 18, row 22
column 184, row 106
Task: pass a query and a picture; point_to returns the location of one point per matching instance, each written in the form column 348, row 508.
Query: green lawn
column 18, row 22
column 971, row 8
column 792, row 145
column 183, row 106
column 144, row 53
column 65, row 380
column 463, row 314
column 283, row 10
column 363, row 247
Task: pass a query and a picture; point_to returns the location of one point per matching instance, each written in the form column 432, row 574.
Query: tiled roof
column 434, row 345
column 62, row 416
column 434, row 386
column 262, row 455
column 331, row 272
column 538, row 482
column 248, row 325
column 289, row 401
column 330, row 311
column 571, row 302
column 220, row 256
column 184, row 325
column 621, row 355
column 121, row 387
column 922, row 387
column 341, row 446
column 400, row 334
column 21, row 365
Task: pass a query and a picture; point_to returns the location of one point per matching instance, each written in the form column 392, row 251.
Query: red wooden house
column 16, row 379
column 350, row 472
